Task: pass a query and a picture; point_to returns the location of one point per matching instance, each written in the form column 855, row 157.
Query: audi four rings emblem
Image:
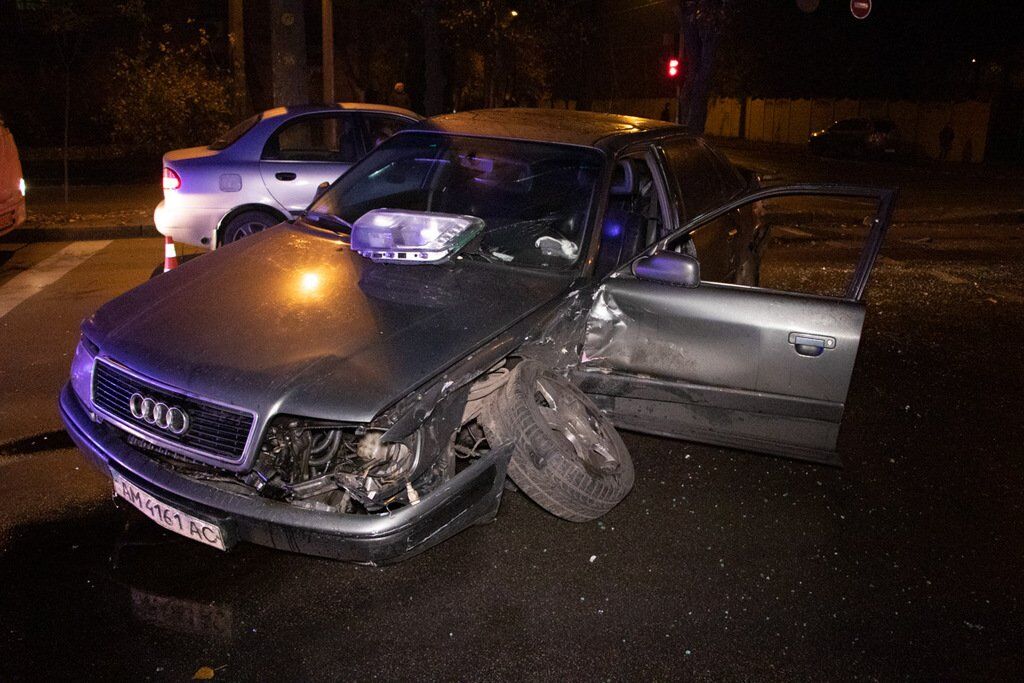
column 162, row 416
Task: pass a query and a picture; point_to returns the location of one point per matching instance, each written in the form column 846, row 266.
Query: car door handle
column 811, row 344
column 285, row 175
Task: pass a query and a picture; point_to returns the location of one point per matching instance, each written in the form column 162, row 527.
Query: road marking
column 45, row 273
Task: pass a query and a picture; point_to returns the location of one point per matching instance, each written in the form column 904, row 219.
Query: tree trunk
column 699, row 27
column 290, row 72
column 236, row 43
column 67, row 126
column 433, row 72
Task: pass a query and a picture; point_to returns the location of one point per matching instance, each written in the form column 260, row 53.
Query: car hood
column 292, row 321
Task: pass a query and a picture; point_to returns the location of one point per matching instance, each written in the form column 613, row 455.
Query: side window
column 330, row 139
column 697, row 180
column 806, row 244
column 712, row 245
column 633, row 217
column 733, row 183
column 810, row 244
column 379, row 127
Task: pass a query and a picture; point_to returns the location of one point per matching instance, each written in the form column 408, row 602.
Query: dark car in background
column 857, row 138
column 485, row 294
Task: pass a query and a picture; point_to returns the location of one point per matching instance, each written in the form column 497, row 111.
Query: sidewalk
column 92, row 212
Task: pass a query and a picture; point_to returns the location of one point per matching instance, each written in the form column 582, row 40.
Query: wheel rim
column 248, row 228
column 571, row 419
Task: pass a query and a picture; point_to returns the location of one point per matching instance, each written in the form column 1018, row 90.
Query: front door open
column 764, row 365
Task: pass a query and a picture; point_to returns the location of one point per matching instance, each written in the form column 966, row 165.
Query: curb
column 70, row 234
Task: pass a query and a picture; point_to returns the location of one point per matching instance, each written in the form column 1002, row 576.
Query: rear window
column 232, row 134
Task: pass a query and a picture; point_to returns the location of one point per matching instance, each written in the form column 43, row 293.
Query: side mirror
column 681, row 270
column 320, row 190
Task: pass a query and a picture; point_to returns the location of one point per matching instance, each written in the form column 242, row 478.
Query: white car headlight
column 394, row 236
column 22, row 187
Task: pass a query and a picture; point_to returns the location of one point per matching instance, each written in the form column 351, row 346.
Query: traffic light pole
column 327, row 22
column 679, row 78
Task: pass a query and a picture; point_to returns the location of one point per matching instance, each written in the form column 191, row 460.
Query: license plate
column 168, row 517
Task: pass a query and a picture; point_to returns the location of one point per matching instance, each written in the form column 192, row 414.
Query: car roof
column 339, row 106
column 566, row 126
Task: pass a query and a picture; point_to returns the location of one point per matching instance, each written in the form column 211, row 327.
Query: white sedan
column 266, row 169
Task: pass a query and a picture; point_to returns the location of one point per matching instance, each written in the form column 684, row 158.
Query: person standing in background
column 399, row 98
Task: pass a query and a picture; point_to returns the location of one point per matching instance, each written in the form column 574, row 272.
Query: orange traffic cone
column 170, row 257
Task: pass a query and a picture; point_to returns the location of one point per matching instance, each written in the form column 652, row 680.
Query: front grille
column 213, row 430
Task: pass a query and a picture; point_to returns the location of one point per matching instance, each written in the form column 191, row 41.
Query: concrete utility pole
column 290, row 73
column 327, row 10
column 236, row 38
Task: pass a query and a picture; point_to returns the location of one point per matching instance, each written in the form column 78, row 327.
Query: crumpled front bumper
column 470, row 497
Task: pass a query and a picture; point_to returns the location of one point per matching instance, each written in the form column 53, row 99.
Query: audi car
column 486, row 295
column 266, row 169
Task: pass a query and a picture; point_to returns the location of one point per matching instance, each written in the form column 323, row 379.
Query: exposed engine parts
column 351, row 468
column 329, row 463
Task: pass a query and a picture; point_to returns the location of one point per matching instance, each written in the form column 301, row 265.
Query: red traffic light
column 673, row 67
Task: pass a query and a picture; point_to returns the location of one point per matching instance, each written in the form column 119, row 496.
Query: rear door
column 694, row 176
column 306, row 151
column 763, row 368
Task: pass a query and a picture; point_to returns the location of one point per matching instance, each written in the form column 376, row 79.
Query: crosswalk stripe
column 45, row 273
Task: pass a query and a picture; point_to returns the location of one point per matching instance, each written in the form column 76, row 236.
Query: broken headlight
column 301, row 459
column 393, row 236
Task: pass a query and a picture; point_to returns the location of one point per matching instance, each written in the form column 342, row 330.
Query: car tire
column 247, row 223
column 578, row 480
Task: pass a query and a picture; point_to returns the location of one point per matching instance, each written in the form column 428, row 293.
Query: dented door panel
column 715, row 364
column 752, row 368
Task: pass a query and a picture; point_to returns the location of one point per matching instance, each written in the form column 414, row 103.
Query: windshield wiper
column 329, row 221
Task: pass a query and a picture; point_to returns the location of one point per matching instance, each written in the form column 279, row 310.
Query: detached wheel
column 247, row 223
column 568, row 458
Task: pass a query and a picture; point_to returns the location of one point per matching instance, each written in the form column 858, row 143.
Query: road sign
column 860, row 9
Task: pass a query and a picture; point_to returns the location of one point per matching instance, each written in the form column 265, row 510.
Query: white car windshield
column 533, row 197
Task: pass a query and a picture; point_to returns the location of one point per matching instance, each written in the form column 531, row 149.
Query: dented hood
column 292, row 321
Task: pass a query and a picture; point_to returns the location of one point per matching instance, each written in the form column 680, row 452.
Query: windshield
column 231, row 135
column 532, row 197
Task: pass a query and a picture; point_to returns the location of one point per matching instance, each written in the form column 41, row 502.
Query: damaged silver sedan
column 488, row 295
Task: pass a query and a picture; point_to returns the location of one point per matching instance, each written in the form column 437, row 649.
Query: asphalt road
column 905, row 563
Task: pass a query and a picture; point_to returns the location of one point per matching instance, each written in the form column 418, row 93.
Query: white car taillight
column 172, row 181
